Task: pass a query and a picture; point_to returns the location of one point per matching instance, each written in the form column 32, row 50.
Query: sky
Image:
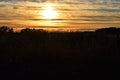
column 60, row 13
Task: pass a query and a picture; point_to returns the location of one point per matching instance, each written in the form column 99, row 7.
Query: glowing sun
column 49, row 12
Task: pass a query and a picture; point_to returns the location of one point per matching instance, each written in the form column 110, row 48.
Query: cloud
column 73, row 11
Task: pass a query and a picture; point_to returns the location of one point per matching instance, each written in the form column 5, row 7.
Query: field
column 31, row 54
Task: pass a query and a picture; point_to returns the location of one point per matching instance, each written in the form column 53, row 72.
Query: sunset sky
column 60, row 13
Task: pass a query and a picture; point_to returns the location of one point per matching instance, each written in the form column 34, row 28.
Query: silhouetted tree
column 5, row 29
column 10, row 30
column 112, row 30
column 26, row 30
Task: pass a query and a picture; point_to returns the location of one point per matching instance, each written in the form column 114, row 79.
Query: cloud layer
column 70, row 11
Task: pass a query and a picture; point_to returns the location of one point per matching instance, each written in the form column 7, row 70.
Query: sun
column 48, row 12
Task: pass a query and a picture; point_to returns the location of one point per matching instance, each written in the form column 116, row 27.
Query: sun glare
column 49, row 12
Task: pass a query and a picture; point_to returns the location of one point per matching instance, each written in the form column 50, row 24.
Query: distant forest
column 59, row 55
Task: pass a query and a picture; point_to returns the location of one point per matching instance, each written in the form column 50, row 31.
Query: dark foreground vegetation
column 31, row 54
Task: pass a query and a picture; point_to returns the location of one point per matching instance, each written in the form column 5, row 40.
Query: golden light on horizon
column 49, row 12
